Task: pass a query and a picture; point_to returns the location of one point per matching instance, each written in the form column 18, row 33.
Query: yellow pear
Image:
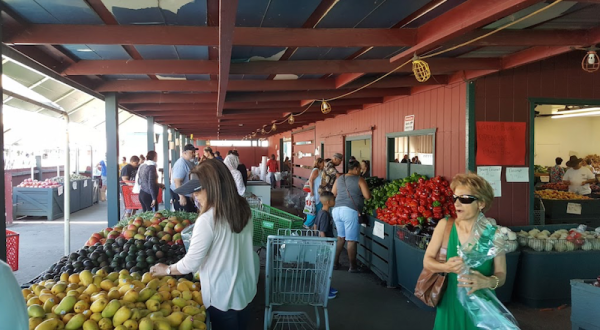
column 112, row 276
column 97, row 296
column 97, row 280
column 107, row 285
column 101, row 272
column 124, row 272
column 198, row 324
column 187, row 295
column 99, row 305
column 121, row 316
column 179, row 302
column 67, row 317
column 136, row 315
column 26, row 292
column 81, row 306
column 121, row 327
column 91, row 289
column 124, row 288
column 36, row 311
column 162, row 325
column 165, row 308
column 66, row 305
column 191, row 303
column 73, row 293
column 146, row 278
column 153, row 284
column 131, row 324
column 175, row 293
column 181, row 286
column 75, row 322
column 131, row 296
column 113, row 294
column 201, row 317
column 138, row 284
column 34, row 322
column 140, row 305
column 46, row 296
column 197, row 296
column 145, row 294
column 50, row 324
column 96, row 317
column 34, row 301
column 49, row 304
column 86, row 277
column 157, row 296
column 144, row 312
column 86, row 297
column 111, row 308
column 64, row 277
column 187, row 324
column 60, row 296
column 153, row 305
column 58, row 288
column 175, row 319
column 166, row 295
column 156, row 316
column 190, row 310
column 105, row 324
column 81, row 289
column 146, row 324
column 175, row 309
column 90, row 325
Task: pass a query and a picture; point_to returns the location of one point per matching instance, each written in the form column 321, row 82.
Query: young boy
column 324, row 224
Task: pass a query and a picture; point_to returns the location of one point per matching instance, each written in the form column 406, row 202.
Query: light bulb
column 274, row 127
column 253, row 133
column 591, row 58
column 291, row 119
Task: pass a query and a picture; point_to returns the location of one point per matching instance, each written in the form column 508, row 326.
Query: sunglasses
column 464, row 199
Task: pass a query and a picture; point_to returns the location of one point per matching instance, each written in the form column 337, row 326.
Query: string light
column 325, row 107
column 253, row 134
column 423, row 73
column 291, row 119
column 421, row 69
column 590, row 62
column 274, row 127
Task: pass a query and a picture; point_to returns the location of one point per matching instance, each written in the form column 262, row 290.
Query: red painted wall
column 442, row 108
column 504, row 97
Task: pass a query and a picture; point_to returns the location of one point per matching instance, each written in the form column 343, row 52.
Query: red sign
column 500, row 143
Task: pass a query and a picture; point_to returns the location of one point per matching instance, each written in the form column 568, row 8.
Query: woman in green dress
column 472, row 195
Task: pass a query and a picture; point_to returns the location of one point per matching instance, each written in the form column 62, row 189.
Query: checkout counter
column 261, row 189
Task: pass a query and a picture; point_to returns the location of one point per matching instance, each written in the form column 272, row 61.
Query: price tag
column 84, row 183
column 378, row 230
column 60, row 190
column 74, row 185
column 573, row 208
column 545, row 178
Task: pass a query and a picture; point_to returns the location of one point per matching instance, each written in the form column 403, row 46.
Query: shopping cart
column 131, row 200
column 298, row 272
column 267, row 221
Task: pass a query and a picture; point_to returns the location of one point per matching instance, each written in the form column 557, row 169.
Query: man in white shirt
column 578, row 178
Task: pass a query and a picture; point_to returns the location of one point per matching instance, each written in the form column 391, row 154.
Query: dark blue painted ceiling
column 54, row 11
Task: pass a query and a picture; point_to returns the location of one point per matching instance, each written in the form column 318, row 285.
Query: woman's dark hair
column 353, row 165
column 317, row 162
column 558, row 160
column 367, row 164
column 151, row 155
column 142, row 157
column 589, row 161
column 218, row 153
column 134, row 159
column 273, row 156
column 222, row 195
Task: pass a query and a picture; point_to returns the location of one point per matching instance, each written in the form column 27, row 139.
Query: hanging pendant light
column 420, row 69
column 253, row 134
column 325, row 107
column 590, row 62
column 291, row 119
column 274, row 127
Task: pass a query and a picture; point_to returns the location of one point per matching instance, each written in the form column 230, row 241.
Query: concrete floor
column 362, row 303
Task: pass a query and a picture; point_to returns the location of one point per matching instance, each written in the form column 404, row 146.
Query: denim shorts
column 346, row 223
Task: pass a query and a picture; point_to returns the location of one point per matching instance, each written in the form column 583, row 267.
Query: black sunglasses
column 464, row 199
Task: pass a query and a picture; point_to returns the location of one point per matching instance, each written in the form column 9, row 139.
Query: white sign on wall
column 409, row 123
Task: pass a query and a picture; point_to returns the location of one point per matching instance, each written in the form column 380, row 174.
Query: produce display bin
column 556, row 212
column 409, row 264
column 585, row 301
column 12, row 249
column 95, row 191
column 38, row 202
column 86, row 193
column 378, row 253
column 75, row 187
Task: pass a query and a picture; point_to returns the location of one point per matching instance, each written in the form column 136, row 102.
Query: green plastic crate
column 266, row 224
column 271, row 210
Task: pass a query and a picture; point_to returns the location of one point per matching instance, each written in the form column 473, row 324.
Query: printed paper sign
column 574, row 208
column 74, row 185
column 60, row 190
column 378, row 230
column 517, row 174
column 85, row 183
column 409, row 123
column 492, row 174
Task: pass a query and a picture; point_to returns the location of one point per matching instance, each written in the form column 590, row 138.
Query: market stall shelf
column 376, row 250
column 569, row 211
column 585, row 301
column 40, row 202
column 86, row 193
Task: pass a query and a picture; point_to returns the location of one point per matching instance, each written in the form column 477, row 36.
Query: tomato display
column 420, row 204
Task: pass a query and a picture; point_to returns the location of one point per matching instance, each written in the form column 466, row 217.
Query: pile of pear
column 115, row 301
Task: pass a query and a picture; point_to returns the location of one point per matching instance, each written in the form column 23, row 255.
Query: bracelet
column 497, row 282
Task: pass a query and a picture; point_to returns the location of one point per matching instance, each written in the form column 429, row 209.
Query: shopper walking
column 208, row 154
column 273, row 167
column 142, row 159
column 472, row 196
column 123, row 163
column 218, row 155
column 578, row 178
column 128, row 173
column 232, row 161
column 324, row 224
column 557, row 172
column 241, row 167
column 220, row 247
column 350, row 190
column 180, row 174
column 102, row 167
column 330, row 173
column 148, row 180
column 315, row 182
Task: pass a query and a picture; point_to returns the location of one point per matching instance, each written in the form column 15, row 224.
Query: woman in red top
column 273, row 167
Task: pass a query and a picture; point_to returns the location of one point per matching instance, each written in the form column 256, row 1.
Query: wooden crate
column 585, row 301
column 378, row 253
column 38, row 202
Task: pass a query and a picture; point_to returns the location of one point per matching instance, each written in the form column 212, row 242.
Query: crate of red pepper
column 419, row 204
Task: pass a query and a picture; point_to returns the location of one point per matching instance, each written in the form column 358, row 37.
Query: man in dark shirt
column 241, row 167
column 128, row 173
column 324, row 224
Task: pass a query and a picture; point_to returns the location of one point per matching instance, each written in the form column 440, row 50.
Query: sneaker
column 331, row 295
column 333, row 291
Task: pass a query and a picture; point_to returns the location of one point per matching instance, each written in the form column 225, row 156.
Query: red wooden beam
column 116, row 67
column 168, row 98
column 399, row 81
column 212, row 19
column 227, row 13
column 465, row 17
column 59, row 34
column 313, row 95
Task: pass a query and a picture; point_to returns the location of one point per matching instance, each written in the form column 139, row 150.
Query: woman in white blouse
column 220, row 247
column 232, row 161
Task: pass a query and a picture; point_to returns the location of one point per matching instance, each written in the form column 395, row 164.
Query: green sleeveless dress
column 450, row 313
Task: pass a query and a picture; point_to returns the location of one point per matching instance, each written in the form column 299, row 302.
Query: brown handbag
column 431, row 286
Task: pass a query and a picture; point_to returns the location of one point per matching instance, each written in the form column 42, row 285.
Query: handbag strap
column 349, row 195
column 443, row 252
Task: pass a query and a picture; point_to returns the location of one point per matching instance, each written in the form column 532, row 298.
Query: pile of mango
column 115, row 301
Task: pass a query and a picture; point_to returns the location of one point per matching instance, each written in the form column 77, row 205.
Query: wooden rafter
column 227, row 13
